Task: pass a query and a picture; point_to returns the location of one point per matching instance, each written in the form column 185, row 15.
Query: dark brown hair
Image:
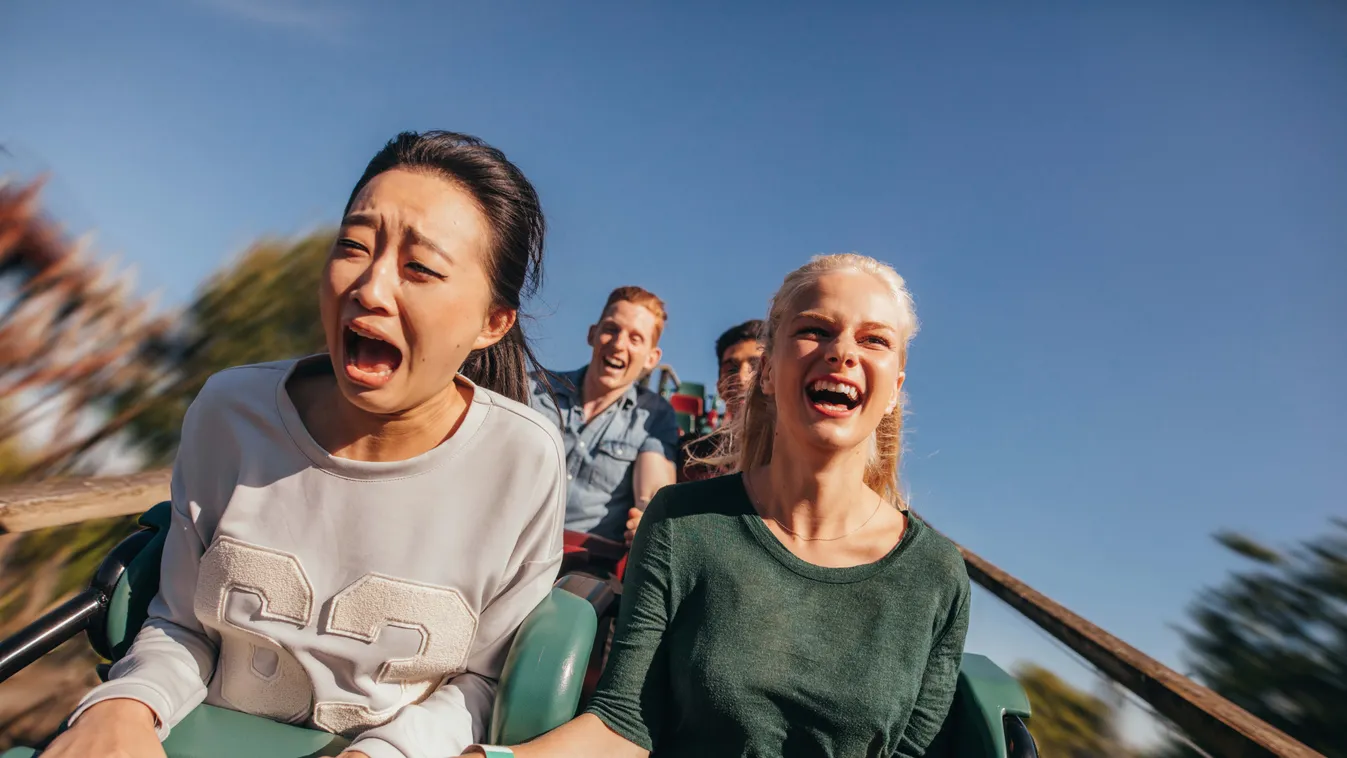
column 515, row 216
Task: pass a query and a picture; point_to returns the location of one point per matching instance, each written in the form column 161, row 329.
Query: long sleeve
column 939, row 680
column 632, row 693
column 172, row 656
column 457, row 713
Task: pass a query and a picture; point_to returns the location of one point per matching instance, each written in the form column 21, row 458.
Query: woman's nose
column 842, row 352
column 374, row 290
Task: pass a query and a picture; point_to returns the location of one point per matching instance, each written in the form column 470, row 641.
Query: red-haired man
column 621, row 439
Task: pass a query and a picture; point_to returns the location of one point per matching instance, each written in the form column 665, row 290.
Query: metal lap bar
column 48, row 632
column 83, row 612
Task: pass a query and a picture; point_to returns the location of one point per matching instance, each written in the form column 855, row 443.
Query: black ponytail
column 515, row 215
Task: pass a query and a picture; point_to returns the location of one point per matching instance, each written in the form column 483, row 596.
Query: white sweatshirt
column 373, row 600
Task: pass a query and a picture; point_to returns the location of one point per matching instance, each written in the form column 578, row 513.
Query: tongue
column 375, row 356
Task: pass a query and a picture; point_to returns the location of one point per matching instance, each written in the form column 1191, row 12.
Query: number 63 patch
column 259, row 676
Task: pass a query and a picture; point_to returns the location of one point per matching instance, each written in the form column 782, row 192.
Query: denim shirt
column 600, row 454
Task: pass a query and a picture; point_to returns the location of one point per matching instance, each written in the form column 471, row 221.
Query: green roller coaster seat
column 687, row 423
column 539, row 689
column 129, row 603
column 694, row 389
column 984, row 697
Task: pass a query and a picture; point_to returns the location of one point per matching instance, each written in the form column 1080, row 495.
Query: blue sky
column 1125, row 227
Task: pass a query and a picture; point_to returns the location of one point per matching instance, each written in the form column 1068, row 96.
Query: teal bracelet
column 491, row 750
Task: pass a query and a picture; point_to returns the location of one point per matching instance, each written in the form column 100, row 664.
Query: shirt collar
column 572, row 383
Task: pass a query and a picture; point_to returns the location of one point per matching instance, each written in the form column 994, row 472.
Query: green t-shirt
column 727, row 644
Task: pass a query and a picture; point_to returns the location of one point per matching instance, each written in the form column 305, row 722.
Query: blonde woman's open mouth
column 834, row 396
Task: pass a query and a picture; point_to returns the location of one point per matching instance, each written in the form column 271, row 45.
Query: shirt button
column 569, row 478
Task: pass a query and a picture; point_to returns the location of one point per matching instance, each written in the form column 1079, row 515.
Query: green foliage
column 13, row 463
column 1273, row 639
column 1067, row 723
column 1248, row 548
column 263, row 308
column 14, row 460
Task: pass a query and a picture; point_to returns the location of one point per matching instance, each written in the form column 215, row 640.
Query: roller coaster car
column 551, row 665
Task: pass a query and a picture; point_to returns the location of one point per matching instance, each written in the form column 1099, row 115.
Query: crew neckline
column 347, row 468
column 830, row 574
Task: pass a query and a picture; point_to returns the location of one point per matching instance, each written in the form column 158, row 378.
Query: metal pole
column 47, row 633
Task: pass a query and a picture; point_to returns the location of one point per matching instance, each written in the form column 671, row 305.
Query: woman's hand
column 118, row 728
column 353, row 754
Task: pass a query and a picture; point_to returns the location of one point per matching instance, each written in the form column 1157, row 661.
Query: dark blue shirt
column 600, row 453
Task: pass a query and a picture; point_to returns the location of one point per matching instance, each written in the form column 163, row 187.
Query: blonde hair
column 745, row 441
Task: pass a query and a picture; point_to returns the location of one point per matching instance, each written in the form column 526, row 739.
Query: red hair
column 642, row 297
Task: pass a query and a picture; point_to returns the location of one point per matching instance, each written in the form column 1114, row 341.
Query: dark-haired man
column 738, row 351
column 621, row 439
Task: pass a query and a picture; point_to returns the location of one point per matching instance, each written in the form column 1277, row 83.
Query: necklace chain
column 879, row 502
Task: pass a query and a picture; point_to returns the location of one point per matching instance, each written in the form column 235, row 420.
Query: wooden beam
column 1209, row 720
column 57, row 502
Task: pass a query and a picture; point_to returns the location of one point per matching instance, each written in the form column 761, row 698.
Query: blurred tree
column 1273, row 639
column 13, row 461
column 71, row 331
column 263, row 308
column 1066, row 722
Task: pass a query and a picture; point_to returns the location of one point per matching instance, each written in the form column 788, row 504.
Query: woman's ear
column 897, row 393
column 499, row 321
column 765, row 375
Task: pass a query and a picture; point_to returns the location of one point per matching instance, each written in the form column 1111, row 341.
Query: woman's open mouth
column 833, row 398
column 369, row 359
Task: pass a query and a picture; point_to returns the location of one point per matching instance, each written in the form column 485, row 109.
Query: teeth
column 823, row 385
column 366, row 334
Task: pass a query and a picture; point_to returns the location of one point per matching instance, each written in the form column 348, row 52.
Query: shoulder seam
column 547, row 429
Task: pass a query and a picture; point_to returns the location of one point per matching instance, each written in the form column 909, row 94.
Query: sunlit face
column 624, row 345
column 836, row 367
column 405, row 295
column 737, row 366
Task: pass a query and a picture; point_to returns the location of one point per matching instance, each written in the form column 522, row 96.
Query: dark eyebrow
column 359, row 219
column 423, row 241
column 414, row 234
